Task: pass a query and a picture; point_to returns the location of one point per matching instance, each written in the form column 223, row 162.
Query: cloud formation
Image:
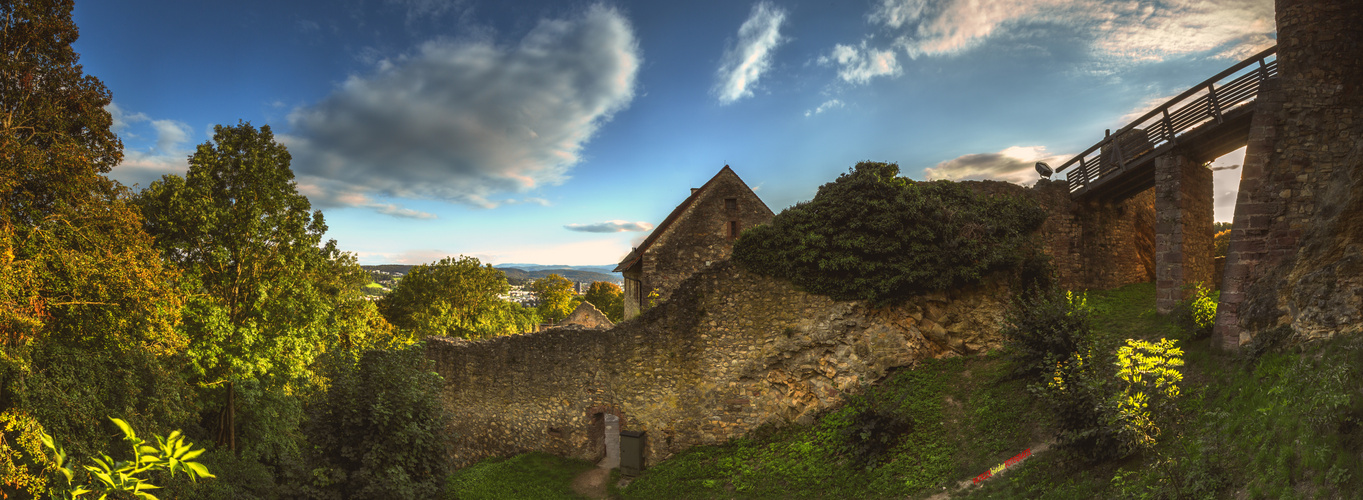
column 168, row 154
column 859, row 64
column 1016, row 164
column 827, row 105
column 744, row 62
column 469, row 121
column 610, row 226
column 1121, row 32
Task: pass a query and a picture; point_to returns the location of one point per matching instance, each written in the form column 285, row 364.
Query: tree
column 247, row 242
column 88, row 311
column 556, row 297
column 454, row 297
column 871, row 235
column 608, row 298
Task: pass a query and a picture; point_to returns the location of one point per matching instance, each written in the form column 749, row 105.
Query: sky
column 556, row 132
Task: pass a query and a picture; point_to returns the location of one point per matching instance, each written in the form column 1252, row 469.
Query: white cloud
column 859, row 64
column 1121, row 32
column 470, row 121
column 827, row 105
column 321, row 197
column 168, row 154
column 1226, row 184
column 611, row 226
column 1016, row 164
column 745, row 62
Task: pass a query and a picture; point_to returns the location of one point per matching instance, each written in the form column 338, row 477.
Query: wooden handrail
column 1171, row 131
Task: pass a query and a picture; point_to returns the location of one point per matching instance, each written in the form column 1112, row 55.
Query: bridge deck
column 1206, row 121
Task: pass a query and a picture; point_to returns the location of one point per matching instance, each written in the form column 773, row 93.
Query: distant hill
column 515, row 273
column 575, row 274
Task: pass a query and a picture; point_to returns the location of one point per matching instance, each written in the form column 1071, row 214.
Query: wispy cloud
column 744, row 62
column 610, row 226
column 859, row 64
column 321, row 197
column 168, row 153
column 827, row 105
column 1119, row 32
column 469, row 121
column 1016, row 164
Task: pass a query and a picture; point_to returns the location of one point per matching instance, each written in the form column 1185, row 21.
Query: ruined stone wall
column 700, row 236
column 1294, row 256
column 1094, row 245
column 730, row 351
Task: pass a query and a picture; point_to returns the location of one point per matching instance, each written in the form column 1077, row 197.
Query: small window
column 733, row 229
column 731, row 203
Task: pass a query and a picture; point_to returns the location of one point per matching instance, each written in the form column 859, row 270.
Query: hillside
column 513, row 274
column 1282, row 424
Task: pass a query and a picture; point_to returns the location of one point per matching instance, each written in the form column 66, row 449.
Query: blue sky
column 560, row 132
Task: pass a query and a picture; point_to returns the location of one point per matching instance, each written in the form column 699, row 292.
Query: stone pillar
column 1183, row 228
column 1254, row 215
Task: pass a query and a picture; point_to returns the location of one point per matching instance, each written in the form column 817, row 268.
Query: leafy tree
column 88, row 311
column 608, row 298
column 871, row 235
column 379, row 431
column 454, row 297
column 247, row 242
column 556, row 297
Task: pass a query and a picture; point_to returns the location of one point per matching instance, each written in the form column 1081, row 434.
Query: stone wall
column 1094, row 245
column 1294, row 256
column 729, row 351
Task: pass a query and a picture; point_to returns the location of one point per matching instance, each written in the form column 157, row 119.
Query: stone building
column 698, row 233
column 586, row 315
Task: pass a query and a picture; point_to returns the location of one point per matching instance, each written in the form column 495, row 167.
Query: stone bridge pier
column 1183, row 228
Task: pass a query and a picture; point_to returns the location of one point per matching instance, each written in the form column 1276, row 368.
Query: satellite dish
column 1044, row 169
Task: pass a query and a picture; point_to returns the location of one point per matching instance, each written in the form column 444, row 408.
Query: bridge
column 1207, row 121
column 1166, row 149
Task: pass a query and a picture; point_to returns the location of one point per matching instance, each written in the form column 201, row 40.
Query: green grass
column 529, row 476
column 1285, row 425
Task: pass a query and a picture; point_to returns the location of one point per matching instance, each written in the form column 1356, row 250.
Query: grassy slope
column 1283, row 426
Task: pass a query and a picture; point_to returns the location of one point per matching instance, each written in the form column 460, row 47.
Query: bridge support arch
column 1183, row 228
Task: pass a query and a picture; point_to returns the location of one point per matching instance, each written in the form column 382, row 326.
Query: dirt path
column 966, row 484
column 592, row 483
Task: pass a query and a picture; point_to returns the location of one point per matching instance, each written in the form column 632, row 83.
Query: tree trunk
column 232, row 416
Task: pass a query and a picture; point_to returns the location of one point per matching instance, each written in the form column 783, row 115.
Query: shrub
column 1046, row 327
column 1150, row 373
column 379, row 431
column 874, row 430
column 1197, row 314
column 871, row 235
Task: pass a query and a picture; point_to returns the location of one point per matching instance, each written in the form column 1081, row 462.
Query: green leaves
column 454, row 297
column 871, row 235
column 172, row 454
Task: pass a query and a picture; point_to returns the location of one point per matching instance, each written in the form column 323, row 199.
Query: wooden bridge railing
column 1159, row 128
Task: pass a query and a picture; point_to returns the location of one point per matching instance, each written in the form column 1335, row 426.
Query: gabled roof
column 638, row 252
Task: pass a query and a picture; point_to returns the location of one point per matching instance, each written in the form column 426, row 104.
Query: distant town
column 386, row 276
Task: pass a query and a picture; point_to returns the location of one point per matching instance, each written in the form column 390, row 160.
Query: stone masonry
column 1183, row 229
column 731, row 350
column 1296, row 252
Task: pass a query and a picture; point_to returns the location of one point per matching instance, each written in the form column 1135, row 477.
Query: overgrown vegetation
column 871, row 235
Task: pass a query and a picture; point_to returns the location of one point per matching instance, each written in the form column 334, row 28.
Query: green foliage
column 1197, row 314
column 529, row 476
column 23, row 465
column 556, row 297
column 1047, row 327
column 874, row 428
column 1149, row 371
column 379, row 433
column 871, row 235
column 171, row 454
column 608, row 298
column 456, row 298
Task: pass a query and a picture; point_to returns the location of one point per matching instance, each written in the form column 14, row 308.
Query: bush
column 1150, row 373
column 1046, row 327
column 874, row 429
column 379, row 432
column 870, row 235
column 1197, row 314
